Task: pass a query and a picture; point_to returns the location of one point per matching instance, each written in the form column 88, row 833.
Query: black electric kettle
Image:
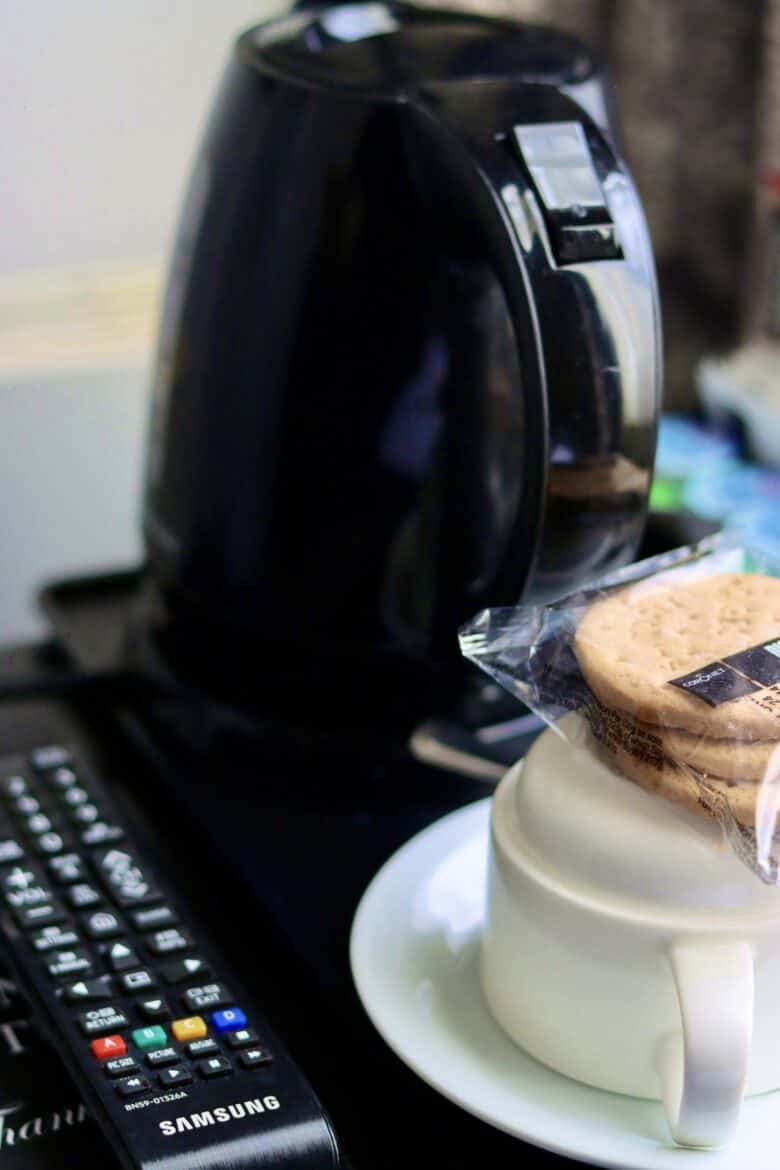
column 409, row 358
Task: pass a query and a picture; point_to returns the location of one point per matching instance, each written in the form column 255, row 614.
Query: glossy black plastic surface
column 380, row 403
column 275, row 1118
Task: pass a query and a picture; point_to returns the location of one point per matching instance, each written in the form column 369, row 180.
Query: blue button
column 228, row 1020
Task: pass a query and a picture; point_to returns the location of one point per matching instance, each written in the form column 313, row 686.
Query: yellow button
column 193, row 1028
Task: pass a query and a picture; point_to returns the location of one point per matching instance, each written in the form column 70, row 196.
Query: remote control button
column 166, row 942
column 74, row 795
column 254, row 1057
column 153, row 916
column 82, row 895
column 12, row 787
column 88, row 990
column 26, row 805
column 210, row 995
column 163, row 1056
column 228, row 1020
column 54, row 936
column 102, row 924
column 63, row 964
column 67, row 869
column 243, row 1038
column 10, row 850
column 51, row 756
column 33, row 895
column 191, row 1028
column 154, row 1009
column 124, row 879
column 49, row 843
column 151, row 1037
column 85, row 814
column 215, row 1066
column 207, row 1047
column 101, row 834
column 62, row 778
column 121, row 957
column 38, row 824
column 175, row 1076
column 109, row 1046
column 184, row 969
column 105, row 1019
column 137, row 980
column 43, row 915
column 18, row 879
column 132, row 1086
column 121, row 1066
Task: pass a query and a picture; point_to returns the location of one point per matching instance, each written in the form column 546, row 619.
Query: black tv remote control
column 172, row 1060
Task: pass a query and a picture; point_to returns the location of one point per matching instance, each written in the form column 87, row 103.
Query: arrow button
column 185, row 969
column 121, row 957
column 88, row 990
column 154, row 1009
column 175, row 1076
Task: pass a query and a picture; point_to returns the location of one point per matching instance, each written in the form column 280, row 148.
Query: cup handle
column 703, row 1070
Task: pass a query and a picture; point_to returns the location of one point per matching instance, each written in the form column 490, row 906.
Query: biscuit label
column 761, row 664
column 733, row 677
column 715, row 684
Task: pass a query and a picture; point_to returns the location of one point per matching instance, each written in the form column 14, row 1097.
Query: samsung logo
column 218, row 1116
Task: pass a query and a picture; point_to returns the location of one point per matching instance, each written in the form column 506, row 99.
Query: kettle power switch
column 558, row 158
column 559, row 163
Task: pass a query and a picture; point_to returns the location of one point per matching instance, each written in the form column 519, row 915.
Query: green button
column 153, row 1037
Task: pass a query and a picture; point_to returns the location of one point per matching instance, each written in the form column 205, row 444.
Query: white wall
column 101, row 104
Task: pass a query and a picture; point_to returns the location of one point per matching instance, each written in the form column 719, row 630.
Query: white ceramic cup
column 626, row 945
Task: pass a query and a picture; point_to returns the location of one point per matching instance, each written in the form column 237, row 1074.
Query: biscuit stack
column 686, row 686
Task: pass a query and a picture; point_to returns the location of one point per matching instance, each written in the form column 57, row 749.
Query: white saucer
column 414, row 950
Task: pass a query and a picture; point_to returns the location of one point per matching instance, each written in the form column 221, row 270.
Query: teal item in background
column 684, row 447
column 728, row 488
column 697, row 471
column 759, row 528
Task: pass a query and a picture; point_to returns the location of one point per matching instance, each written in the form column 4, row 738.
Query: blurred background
column 102, row 106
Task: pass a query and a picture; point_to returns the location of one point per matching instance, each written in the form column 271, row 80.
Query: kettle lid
column 390, row 49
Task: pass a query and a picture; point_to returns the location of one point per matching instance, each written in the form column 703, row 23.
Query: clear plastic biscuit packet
column 674, row 666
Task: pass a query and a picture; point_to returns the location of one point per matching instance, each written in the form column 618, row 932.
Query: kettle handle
column 586, row 325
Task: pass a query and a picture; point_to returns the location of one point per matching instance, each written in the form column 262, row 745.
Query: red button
column 108, row 1046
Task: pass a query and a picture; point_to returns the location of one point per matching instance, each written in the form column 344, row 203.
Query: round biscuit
column 726, row 759
column 729, row 759
column 633, row 643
